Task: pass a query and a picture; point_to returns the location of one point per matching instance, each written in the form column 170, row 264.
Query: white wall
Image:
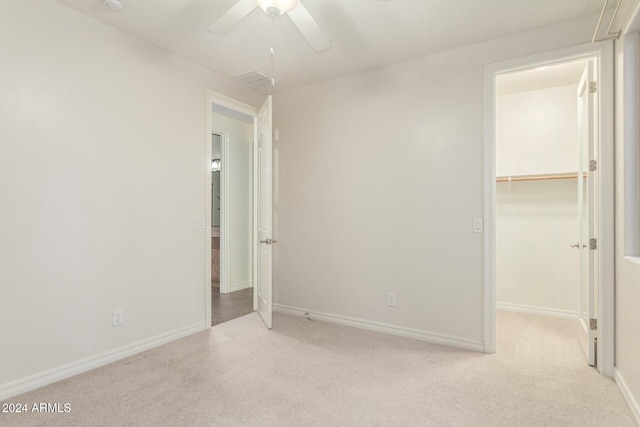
column 103, row 169
column 536, row 269
column 537, row 221
column 627, row 272
column 530, row 125
column 409, row 134
column 216, row 148
column 240, row 197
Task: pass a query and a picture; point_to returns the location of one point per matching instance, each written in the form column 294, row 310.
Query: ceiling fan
column 275, row 8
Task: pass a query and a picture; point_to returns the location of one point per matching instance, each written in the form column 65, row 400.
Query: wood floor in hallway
column 225, row 307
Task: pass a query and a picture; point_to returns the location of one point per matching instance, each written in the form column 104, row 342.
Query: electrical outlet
column 118, row 317
column 198, row 223
column 391, row 299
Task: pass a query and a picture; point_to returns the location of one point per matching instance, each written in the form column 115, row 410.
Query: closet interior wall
column 238, row 201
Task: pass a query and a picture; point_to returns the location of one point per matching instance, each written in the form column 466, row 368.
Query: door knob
column 576, row 245
column 268, row 241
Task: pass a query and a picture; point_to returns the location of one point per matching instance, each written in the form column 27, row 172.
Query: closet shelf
column 542, row 177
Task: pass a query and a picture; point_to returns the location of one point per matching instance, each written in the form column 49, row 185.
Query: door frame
column 214, row 97
column 224, row 212
column 603, row 51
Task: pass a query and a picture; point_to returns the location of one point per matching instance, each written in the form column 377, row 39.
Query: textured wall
column 378, row 177
column 103, row 169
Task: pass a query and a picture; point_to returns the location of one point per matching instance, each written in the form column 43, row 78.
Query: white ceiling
column 365, row 33
column 555, row 75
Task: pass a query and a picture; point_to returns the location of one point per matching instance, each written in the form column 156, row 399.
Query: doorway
column 231, row 214
column 542, row 208
column 243, row 237
column 536, row 189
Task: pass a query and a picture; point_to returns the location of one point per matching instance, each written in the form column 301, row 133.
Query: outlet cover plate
column 198, row 222
column 118, row 317
column 391, row 299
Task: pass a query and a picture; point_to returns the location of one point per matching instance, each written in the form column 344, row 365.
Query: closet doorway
column 545, row 205
column 545, row 202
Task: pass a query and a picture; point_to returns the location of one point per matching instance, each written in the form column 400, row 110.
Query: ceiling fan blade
column 309, row 28
column 232, row 16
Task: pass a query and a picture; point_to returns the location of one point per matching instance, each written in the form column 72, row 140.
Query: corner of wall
column 628, row 396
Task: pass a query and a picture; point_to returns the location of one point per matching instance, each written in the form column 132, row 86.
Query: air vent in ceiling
column 115, row 5
column 257, row 80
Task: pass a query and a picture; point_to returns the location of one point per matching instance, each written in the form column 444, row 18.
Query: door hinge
column 593, row 244
column 593, row 324
column 593, row 86
column 593, row 165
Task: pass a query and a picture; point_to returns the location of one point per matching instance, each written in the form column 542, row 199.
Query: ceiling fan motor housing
column 275, row 8
column 295, row 10
column 273, row 11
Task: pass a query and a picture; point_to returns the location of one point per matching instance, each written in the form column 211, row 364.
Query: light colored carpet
column 313, row 373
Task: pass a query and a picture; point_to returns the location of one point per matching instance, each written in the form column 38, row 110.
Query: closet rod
column 537, row 177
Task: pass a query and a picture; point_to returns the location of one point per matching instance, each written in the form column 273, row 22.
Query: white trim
column 384, row 328
column 532, row 309
column 606, row 217
column 208, row 215
column 50, row 376
column 240, row 286
column 231, row 103
column 224, row 211
column 604, row 52
column 631, row 132
column 628, row 396
column 254, row 189
column 489, row 212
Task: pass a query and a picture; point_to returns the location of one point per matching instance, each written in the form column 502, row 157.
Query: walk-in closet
column 539, row 197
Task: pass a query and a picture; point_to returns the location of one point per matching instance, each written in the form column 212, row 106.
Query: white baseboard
column 240, row 286
column 628, row 397
column 385, row 328
column 59, row 373
column 544, row 311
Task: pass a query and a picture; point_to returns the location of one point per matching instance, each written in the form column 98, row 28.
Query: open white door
column 587, row 210
column 263, row 220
